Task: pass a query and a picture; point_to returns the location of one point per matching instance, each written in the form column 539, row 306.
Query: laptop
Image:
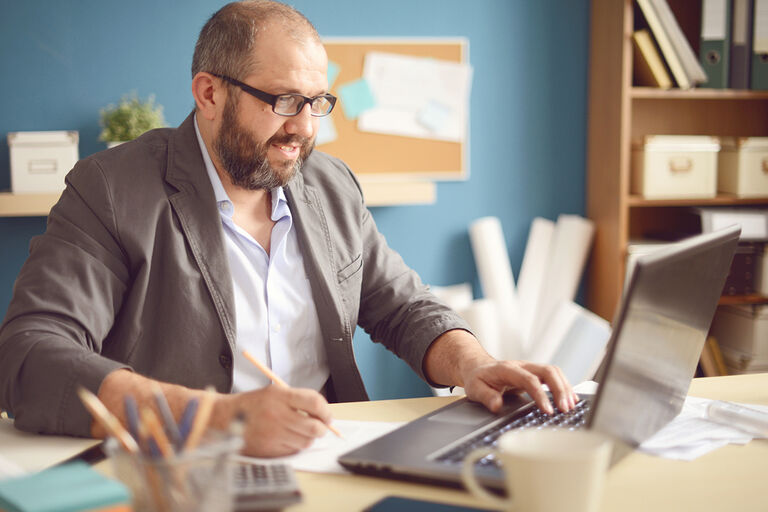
column 659, row 330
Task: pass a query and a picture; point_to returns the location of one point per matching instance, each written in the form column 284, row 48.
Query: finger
column 480, row 391
column 558, row 384
column 311, row 402
column 510, row 374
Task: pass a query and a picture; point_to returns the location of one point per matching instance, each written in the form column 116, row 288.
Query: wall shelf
column 378, row 192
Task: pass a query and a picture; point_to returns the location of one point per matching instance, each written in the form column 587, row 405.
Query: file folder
column 741, row 44
column 664, row 41
column 715, row 45
column 759, row 78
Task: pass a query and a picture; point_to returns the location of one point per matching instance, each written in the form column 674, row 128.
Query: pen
column 107, row 420
column 156, row 432
column 278, row 381
column 201, row 418
column 166, row 415
column 132, row 417
column 187, row 417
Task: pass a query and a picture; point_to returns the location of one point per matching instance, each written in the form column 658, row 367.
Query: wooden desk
column 730, row 478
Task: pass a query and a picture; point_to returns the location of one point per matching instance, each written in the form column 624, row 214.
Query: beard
column 245, row 160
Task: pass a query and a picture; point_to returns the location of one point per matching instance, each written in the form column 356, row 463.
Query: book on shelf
column 675, row 48
column 649, row 68
column 759, row 76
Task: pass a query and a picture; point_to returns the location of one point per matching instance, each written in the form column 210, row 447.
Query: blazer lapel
column 195, row 206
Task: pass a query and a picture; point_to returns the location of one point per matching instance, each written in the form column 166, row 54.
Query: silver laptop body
column 659, row 330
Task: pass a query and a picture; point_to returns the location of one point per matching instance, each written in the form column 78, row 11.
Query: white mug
column 546, row 470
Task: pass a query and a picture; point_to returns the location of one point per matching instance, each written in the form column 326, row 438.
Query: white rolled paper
column 497, row 281
column 532, row 274
column 482, row 317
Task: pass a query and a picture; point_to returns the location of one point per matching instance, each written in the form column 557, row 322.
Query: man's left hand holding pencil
column 279, row 420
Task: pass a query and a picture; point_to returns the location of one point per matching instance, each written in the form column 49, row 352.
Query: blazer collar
column 195, row 205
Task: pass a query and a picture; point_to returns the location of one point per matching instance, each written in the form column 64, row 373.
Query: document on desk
column 321, row 456
column 692, row 434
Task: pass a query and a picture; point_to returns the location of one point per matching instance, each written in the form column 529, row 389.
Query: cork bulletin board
column 384, row 155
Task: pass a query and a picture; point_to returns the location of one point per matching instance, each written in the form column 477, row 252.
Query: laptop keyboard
column 571, row 420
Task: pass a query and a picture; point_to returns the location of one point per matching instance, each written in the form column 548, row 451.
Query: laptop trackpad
column 465, row 413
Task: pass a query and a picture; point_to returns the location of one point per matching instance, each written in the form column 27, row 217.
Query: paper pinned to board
column 417, row 97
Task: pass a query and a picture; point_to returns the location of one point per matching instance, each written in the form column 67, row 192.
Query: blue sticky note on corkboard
column 356, row 97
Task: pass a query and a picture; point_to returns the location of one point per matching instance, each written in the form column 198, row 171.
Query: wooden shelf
column 378, row 192
column 637, row 201
column 697, row 94
column 26, row 205
column 733, row 300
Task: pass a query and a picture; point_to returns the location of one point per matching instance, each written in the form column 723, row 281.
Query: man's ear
column 208, row 92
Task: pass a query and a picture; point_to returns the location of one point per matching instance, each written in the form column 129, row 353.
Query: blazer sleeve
column 63, row 306
column 396, row 307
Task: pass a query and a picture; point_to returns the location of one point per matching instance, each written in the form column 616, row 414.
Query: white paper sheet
column 417, row 97
column 321, row 456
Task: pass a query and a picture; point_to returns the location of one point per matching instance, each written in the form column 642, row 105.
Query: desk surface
column 730, row 478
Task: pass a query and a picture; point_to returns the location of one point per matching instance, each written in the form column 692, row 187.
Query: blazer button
column 225, row 361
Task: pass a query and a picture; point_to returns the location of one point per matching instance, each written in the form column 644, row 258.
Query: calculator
column 264, row 485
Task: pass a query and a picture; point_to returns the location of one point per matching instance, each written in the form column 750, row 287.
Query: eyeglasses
column 287, row 104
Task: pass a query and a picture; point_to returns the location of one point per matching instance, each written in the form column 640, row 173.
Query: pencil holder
column 190, row 481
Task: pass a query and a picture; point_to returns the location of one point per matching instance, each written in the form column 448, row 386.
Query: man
column 169, row 255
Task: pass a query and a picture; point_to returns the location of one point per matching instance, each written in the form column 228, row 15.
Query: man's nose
column 302, row 123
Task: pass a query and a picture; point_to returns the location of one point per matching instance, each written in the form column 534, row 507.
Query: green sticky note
column 67, row 488
column 356, row 97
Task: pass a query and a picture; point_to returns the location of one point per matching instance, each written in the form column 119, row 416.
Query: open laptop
column 659, row 330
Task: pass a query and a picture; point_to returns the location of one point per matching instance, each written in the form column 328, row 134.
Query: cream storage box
column 40, row 160
column 743, row 166
column 675, row 166
column 742, row 333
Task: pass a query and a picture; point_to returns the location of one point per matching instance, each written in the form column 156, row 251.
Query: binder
column 741, row 44
column 759, row 78
column 680, row 43
column 715, row 43
column 665, row 43
column 648, row 66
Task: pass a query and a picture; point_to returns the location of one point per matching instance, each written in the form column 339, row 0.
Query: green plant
column 130, row 118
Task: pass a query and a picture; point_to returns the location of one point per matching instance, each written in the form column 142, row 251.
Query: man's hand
column 457, row 358
column 278, row 421
column 487, row 384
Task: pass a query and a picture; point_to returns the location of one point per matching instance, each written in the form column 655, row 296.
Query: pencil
column 201, row 419
column 107, row 420
column 278, row 381
column 156, row 432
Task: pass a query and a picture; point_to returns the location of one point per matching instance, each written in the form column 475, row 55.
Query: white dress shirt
column 276, row 318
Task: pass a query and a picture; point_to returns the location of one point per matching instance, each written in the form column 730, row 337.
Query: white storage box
column 743, row 166
column 40, row 160
column 675, row 166
column 753, row 221
column 742, row 331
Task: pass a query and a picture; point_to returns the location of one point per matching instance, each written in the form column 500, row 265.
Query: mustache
column 289, row 140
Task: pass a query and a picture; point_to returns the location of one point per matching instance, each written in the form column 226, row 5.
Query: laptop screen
column 659, row 330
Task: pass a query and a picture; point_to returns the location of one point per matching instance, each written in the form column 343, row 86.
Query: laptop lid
column 659, row 330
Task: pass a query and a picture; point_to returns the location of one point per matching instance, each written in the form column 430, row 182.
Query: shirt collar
column 279, row 202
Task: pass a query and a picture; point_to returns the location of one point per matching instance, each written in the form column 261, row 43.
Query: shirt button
column 225, row 361
column 276, row 328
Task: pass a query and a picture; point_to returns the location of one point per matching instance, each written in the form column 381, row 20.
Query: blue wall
column 62, row 61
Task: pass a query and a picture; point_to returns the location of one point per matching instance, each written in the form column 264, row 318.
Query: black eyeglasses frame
column 271, row 99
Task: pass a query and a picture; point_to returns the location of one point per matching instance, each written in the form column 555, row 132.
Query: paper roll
column 482, row 317
column 569, row 248
column 532, row 274
column 497, row 281
column 457, row 296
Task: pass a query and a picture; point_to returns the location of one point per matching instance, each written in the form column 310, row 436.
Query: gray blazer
column 132, row 273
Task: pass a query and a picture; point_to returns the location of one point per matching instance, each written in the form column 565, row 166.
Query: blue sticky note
column 356, row 97
column 333, row 73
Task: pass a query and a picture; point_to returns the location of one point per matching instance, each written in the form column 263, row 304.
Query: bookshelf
column 620, row 113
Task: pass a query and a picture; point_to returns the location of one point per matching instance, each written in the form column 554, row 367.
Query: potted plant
column 129, row 119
